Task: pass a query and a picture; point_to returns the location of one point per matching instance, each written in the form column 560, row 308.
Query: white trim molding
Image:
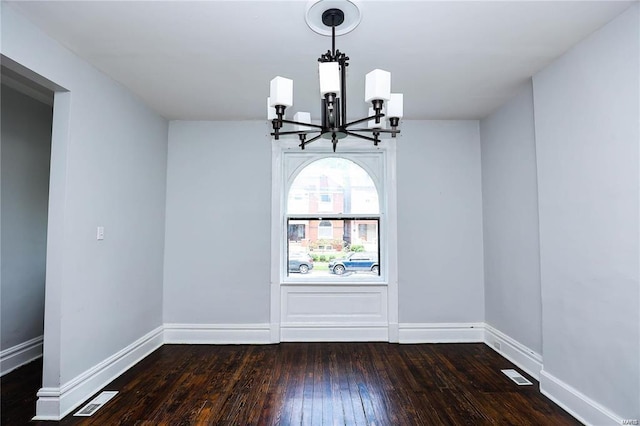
column 218, row 334
column 441, row 332
column 285, row 324
column 576, row 403
column 336, row 332
column 55, row 403
column 522, row 356
column 19, row 355
column 394, row 332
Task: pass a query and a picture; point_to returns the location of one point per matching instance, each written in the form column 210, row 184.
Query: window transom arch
column 334, row 185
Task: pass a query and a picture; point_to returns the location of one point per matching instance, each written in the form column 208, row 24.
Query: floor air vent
column 518, row 378
column 95, row 404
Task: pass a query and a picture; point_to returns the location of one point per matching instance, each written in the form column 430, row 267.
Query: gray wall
column 218, row 226
column 217, row 260
column 510, row 215
column 25, row 143
column 587, row 133
column 108, row 168
column 440, row 271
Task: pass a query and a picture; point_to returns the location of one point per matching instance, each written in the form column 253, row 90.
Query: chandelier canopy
column 333, row 91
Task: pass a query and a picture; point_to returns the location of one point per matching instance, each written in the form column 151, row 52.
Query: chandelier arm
column 313, row 139
column 302, row 124
column 376, row 130
column 361, row 136
column 373, row 117
column 295, row 132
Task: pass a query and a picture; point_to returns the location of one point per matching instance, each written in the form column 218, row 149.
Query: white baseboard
column 441, row 332
column 519, row 354
column 19, row 355
column 275, row 332
column 218, row 334
column 575, row 403
column 55, row 403
column 394, row 332
column 305, row 332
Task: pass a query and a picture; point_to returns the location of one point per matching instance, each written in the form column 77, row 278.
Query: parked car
column 300, row 262
column 355, row 262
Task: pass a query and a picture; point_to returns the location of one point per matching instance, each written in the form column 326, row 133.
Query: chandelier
column 332, row 69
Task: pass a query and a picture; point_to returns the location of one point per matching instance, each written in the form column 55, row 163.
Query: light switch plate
column 100, row 233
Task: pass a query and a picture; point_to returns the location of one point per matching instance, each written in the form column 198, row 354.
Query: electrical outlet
column 100, row 233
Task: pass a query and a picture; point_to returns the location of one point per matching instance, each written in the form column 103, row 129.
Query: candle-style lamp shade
column 271, row 111
column 329, row 73
column 281, row 92
column 377, row 85
column 302, row 117
column 395, row 105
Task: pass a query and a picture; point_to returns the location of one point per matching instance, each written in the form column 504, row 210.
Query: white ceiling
column 213, row 60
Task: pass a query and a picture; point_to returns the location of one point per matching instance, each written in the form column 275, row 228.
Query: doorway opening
column 26, row 109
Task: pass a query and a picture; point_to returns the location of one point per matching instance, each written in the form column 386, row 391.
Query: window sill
column 334, row 283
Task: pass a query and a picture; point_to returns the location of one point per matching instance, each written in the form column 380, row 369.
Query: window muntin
column 338, row 204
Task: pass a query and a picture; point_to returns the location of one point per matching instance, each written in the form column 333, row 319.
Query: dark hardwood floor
column 310, row 384
column 18, row 393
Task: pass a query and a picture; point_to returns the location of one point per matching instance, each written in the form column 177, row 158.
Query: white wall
column 510, row 215
column 26, row 150
column 587, row 133
column 108, row 168
column 218, row 226
column 440, row 261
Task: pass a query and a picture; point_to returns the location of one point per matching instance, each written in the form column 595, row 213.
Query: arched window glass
column 333, row 185
column 333, row 222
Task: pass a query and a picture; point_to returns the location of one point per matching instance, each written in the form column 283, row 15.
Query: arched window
column 335, row 204
column 325, row 230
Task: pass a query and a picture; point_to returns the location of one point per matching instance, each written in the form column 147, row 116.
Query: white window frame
column 294, row 162
column 380, row 162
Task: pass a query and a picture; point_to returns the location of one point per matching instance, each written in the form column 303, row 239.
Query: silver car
column 300, row 262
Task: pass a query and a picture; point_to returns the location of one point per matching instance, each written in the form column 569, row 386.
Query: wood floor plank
column 333, row 389
column 359, row 415
column 307, row 384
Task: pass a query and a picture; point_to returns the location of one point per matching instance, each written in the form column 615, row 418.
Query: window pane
column 333, row 185
column 297, row 231
column 334, row 250
column 325, row 230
